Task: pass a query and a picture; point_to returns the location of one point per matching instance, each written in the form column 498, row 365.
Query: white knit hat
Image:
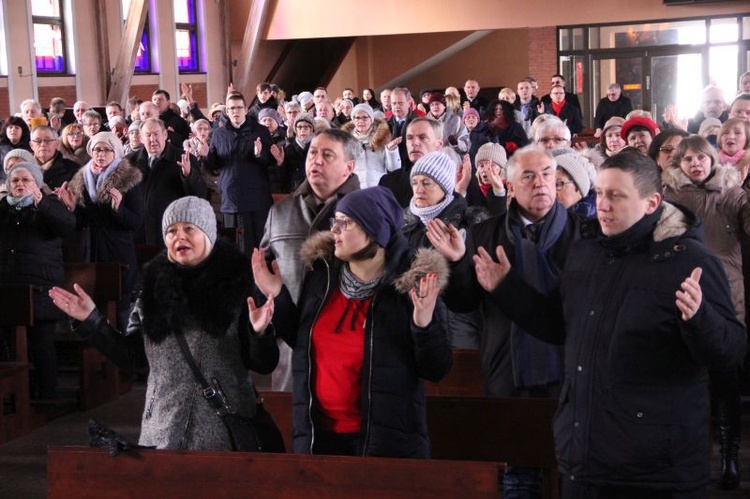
column 494, row 152
column 439, row 167
column 580, row 169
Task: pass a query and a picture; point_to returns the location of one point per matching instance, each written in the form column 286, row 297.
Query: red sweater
column 338, row 354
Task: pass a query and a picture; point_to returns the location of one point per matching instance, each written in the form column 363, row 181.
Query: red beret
column 639, row 121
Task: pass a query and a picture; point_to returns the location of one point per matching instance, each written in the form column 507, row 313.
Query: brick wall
column 68, row 94
column 543, row 54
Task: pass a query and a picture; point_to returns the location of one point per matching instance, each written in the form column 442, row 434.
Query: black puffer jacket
column 31, row 249
column 398, row 354
column 634, row 408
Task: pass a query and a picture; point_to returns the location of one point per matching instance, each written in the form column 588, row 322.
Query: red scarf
column 558, row 107
column 485, row 188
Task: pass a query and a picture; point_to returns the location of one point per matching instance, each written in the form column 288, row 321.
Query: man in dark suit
column 401, row 116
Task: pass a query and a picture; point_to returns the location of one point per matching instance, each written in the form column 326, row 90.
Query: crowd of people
column 603, row 267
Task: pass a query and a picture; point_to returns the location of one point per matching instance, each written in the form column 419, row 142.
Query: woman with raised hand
column 198, row 288
column 365, row 332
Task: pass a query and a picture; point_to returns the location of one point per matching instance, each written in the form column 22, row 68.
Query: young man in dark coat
column 241, row 152
column 644, row 311
column 177, row 128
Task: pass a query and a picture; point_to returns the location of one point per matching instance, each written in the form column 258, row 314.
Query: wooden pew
column 464, row 378
column 83, row 472
column 15, row 403
column 494, row 429
column 100, row 380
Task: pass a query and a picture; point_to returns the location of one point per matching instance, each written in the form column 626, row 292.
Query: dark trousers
column 336, row 444
column 251, row 223
column 44, row 357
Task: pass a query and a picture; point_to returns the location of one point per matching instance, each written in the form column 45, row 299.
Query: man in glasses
column 328, row 170
column 613, row 104
column 57, row 169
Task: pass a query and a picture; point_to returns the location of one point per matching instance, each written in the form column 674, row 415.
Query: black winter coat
column 162, row 184
column 243, row 176
column 178, row 130
column 464, row 294
column 59, row 170
column 108, row 234
column 634, row 408
column 398, row 354
column 31, row 249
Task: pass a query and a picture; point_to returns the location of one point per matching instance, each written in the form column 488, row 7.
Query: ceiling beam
column 122, row 71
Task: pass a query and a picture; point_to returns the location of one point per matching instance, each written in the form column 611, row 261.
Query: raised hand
column 260, row 317
column 268, row 282
column 116, row 198
column 37, row 193
column 690, row 296
column 393, row 145
column 187, row 92
column 258, row 146
column 66, row 196
column 277, row 153
column 463, row 175
column 185, row 164
column 496, row 180
column 446, row 239
column 78, row 305
column 424, row 299
column 489, row 273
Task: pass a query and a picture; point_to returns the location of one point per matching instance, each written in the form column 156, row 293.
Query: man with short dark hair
column 740, row 107
column 178, row 130
column 614, row 104
column 644, row 311
column 241, row 152
column 91, row 123
column 570, row 98
column 264, row 100
column 328, row 170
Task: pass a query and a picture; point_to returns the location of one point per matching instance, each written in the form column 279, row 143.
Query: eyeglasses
column 560, row 184
column 75, row 134
column 43, row 141
column 92, row 125
column 342, row 223
column 361, row 118
column 303, row 127
column 102, row 150
column 666, row 149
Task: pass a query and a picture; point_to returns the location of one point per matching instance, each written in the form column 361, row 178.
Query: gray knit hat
column 108, row 138
column 306, row 118
column 194, row 210
column 439, row 167
column 32, row 168
column 270, row 113
column 365, row 108
column 494, row 152
column 580, row 169
column 304, row 98
column 25, row 156
column 134, row 126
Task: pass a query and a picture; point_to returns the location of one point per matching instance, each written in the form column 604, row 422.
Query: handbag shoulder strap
column 209, row 393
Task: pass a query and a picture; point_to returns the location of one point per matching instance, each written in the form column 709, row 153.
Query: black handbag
column 256, row 434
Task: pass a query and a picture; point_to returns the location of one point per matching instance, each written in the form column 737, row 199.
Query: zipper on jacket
column 309, row 357
column 369, row 379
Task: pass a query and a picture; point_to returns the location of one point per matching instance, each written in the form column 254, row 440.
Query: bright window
column 49, row 37
column 186, row 36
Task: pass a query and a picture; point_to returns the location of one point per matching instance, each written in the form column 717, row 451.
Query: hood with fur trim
column 673, row 222
column 320, row 246
column 380, row 133
column 125, row 177
column 722, row 178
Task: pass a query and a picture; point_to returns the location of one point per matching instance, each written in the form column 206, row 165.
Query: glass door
column 627, row 71
column 674, row 80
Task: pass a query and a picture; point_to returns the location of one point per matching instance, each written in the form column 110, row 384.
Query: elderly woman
column 638, row 131
column 663, row 146
column 32, row 228
column 343, row 113
column 433, row 179
column 550, row 132
column 364, row 332
column 712, row 191
column 107, row 197
column 133, row 143
column 73, row 144
column 610, row 141
column 379, row 153
column 455, row 133
column 196, row 289
column 575, row 176
column 14, row 134
column 12, row 158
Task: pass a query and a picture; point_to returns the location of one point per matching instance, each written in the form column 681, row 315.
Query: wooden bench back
column 84, row 472
column 18, row 314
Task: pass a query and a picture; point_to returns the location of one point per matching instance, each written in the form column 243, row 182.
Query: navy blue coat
column 398, row 354
column 243, row 176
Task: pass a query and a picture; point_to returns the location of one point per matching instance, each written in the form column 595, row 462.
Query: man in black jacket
column 177, row 127
column 644, row 311
column 614, row 104
column 241, row 152
column 168, row 174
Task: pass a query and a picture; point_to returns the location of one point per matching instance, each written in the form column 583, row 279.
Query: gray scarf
column 429, row 212
column 22, row 202
column 355, row 289
column 94, row 182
